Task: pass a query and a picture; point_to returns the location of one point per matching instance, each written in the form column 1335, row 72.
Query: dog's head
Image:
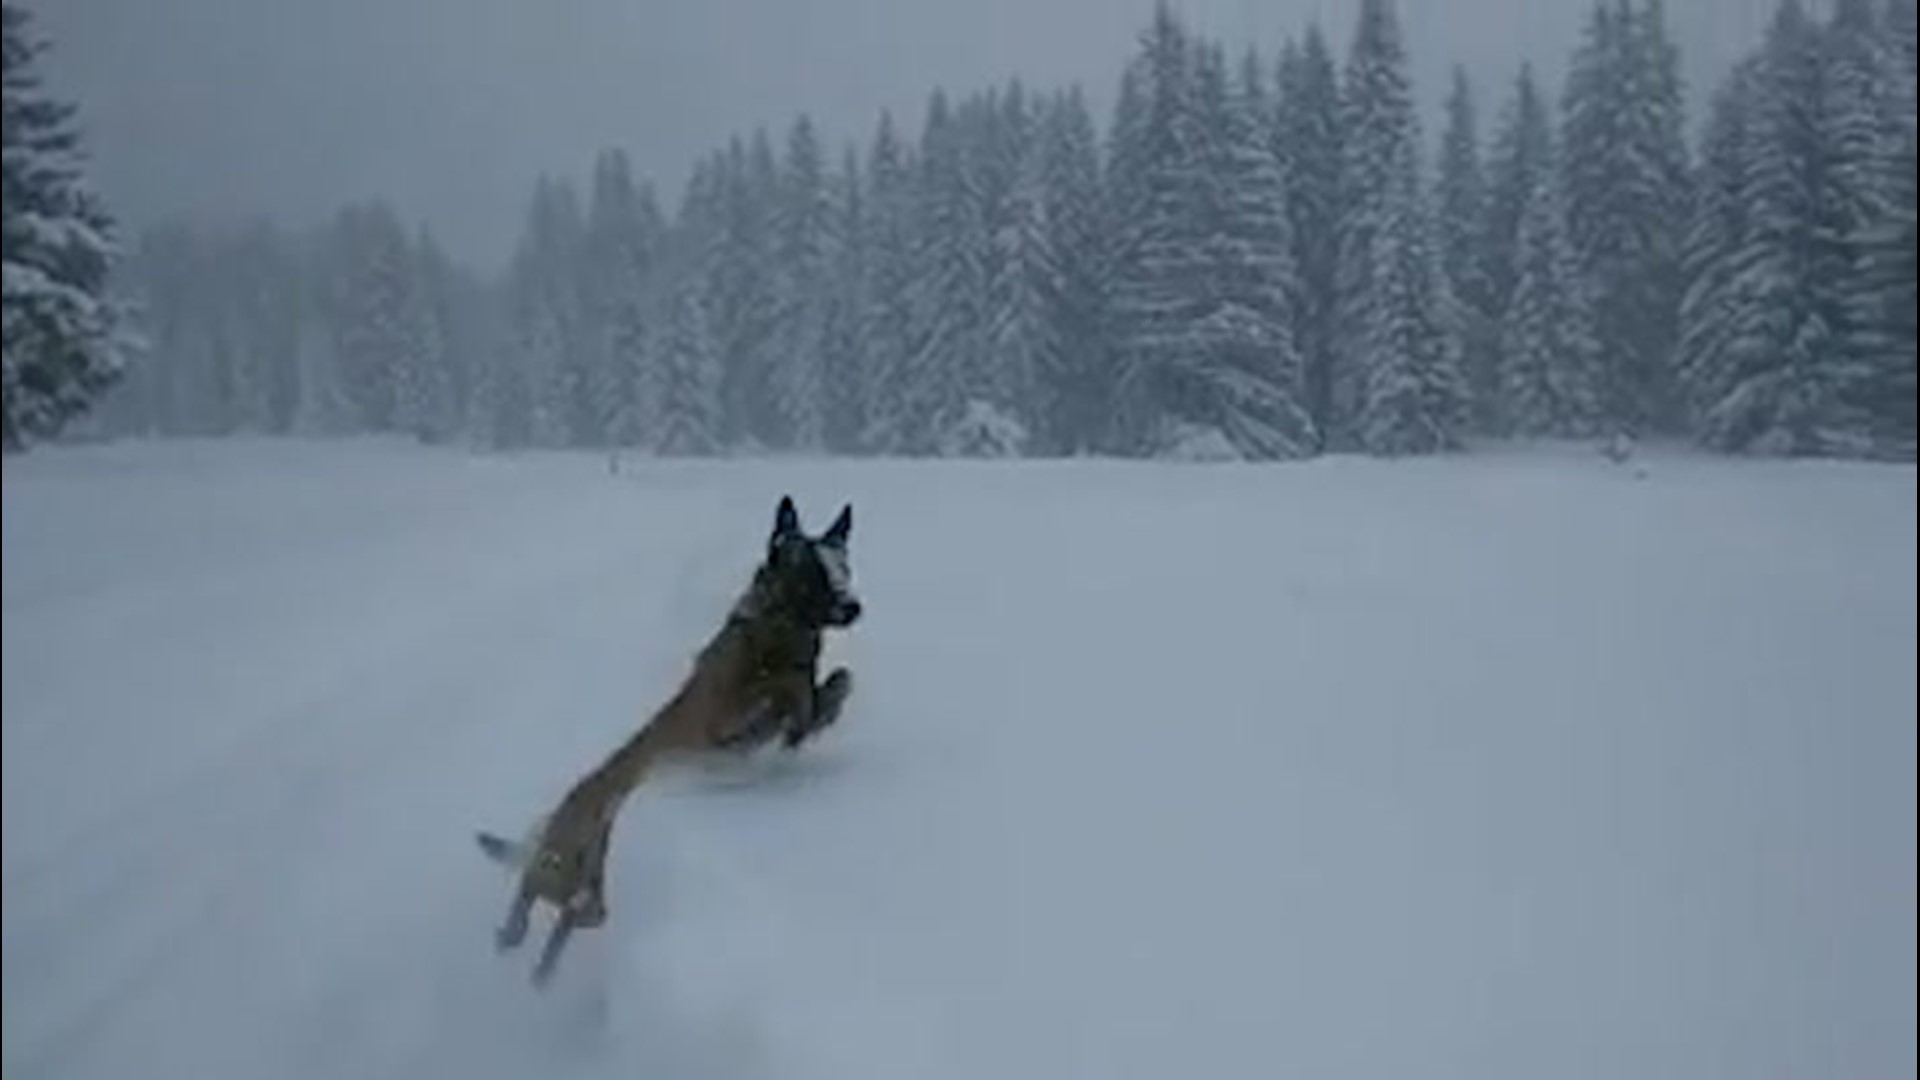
column 811, row 575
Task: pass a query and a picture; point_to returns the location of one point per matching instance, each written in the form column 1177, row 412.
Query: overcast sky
column 450, row 108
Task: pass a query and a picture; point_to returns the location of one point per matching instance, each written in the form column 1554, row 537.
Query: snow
column 1492, row 766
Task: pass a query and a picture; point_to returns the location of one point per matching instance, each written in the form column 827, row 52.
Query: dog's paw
column 509, row 936
column 589, row 909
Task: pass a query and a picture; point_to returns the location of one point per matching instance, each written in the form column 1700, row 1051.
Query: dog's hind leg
column 590, row 908
column 563, row 926
column 513, row 930
column 828, row 699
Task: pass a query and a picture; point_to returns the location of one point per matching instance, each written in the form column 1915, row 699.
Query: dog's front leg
column 758, row 724
column 826, row 700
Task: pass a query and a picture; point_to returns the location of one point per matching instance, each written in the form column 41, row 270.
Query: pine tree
column 1309, row 137
column 1462, row 206
column 1021, row 334
column 1718, row 230
column 742, row 292
column 1884, row 313
column 1784, row 382
column 1077, row 387
column 1249, row 373
column 143, row 399
column 886, row 324
column 278, row 313
column 1548, row 350
column 550, row 329
column 1899, row 18
column 948, row 294
column 1518, row 165
column 689, row 417
column 1885, row 294
column 325, row 407
column 1397, row 388
column 1126, row 185
column 423, row 405
column 380, row 340
column 847, row 299
column 623, row 228
column 803, row 242
column 64, row 333
column 238, row 381
column 1868, row 121
column 467, row 313
column 1006, row 136
column 1625, row 183
column 1157, row 296
column 1123, row 200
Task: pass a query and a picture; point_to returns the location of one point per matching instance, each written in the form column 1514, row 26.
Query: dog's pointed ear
column 841, row 528
column 786, row 520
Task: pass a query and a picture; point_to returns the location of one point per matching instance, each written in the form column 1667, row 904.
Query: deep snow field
column 1510, row 766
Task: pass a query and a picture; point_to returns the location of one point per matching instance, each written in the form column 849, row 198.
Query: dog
column 754, row 681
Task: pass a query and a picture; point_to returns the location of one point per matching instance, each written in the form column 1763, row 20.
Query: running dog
column 755, row 680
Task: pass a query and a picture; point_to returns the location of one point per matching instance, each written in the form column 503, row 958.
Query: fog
column 451, row 108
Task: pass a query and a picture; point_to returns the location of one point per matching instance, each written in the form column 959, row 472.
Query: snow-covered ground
column 1510, row 766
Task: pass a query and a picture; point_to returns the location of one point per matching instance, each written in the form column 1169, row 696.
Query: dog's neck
column 762, row 602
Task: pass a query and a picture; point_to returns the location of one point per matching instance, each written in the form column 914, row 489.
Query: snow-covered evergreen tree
column 65, row 341
column 423, row 393
column 1077, row 387
column 551, row 327
column 382, row 340
column 982, row 430
column 1548, row 350
column 1885, row 307
column 1883, row 300
column 1397, row 386
column 1715, row 296
column 1309, row 141
column 948, row 289
column 279, row 313
column 1517, row 166
column 1005, row 136
column 1785, row 382
column 1022, row 336
column 803, row 247
column 1202, row 302
column 1252, row 370
column 1625, row 183
column 886, row 325
column 144, row 399
column 843, row 354
column 689, row 418
column 1867, row 113
column 623, row 233
column 742, row 303
column 1157, row 297
column 1461, row 202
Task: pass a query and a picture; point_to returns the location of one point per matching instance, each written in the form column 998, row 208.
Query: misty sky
column 450, row 108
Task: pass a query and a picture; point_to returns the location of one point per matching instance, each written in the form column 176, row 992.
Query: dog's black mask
column 812, row 574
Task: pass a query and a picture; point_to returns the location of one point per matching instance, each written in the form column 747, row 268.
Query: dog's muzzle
column 844, row 613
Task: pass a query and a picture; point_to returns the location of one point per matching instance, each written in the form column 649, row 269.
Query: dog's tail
column 512, row 854
column 509, row 853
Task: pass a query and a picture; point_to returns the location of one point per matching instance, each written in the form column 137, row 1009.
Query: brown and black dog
column 754, row 680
